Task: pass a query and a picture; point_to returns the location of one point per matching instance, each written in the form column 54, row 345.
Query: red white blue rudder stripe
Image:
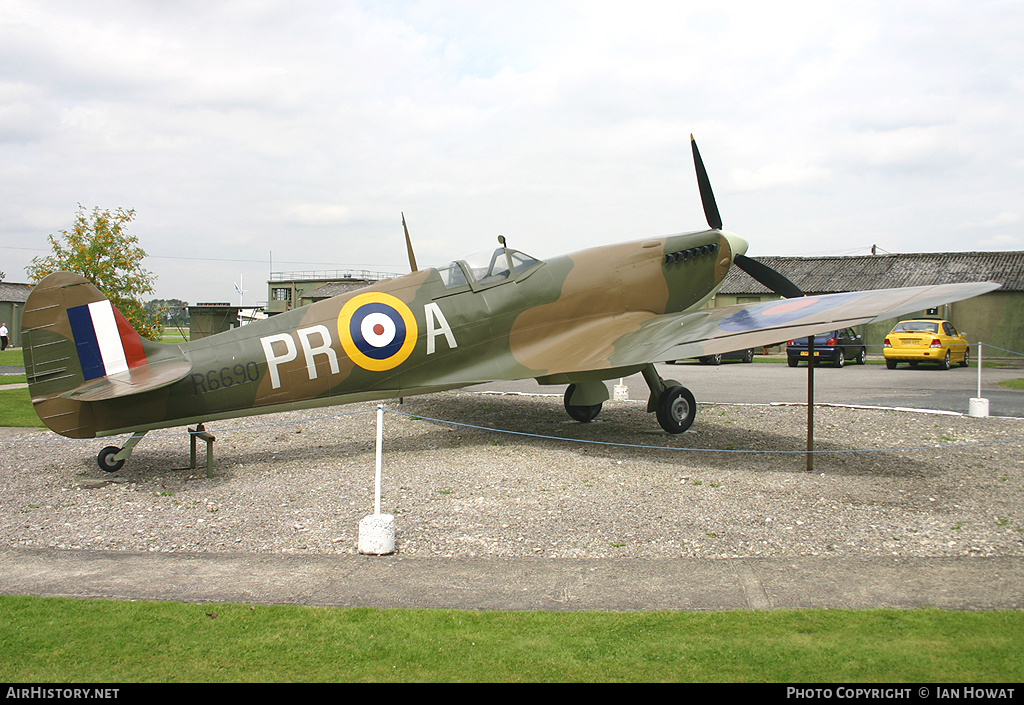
column 106, row 342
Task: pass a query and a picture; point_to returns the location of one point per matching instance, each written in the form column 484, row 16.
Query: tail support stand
column 200, row 432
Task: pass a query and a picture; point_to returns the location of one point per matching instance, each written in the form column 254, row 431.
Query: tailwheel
column 676, row 409
column 583, row 414
column 106, row 459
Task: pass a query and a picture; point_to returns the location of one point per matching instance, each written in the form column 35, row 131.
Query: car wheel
column 862, row 356
column 944, row 365
column 967, row 358
column 793, row 362
column 891, row 364
column 748, row 356
column 840, row 358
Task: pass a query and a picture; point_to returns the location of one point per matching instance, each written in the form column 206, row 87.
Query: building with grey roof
column 996, row 318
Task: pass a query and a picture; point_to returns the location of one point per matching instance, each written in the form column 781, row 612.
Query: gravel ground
column 932, row 485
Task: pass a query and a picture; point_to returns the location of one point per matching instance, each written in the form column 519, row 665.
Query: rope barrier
column 1012, row 352
column 544, row 437
column 699, row 450
column 555, row 438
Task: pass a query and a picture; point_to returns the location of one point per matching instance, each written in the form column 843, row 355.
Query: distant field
column 172, row 335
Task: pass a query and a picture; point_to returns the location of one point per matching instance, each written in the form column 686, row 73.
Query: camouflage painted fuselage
column 558, row 321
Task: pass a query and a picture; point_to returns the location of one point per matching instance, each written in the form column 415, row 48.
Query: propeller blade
column 768, row 276
column 707, row 196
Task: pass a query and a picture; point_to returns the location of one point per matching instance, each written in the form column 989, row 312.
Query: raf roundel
column 378, row 331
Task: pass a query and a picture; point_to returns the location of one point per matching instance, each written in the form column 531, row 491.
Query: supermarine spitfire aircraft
column 576, row 320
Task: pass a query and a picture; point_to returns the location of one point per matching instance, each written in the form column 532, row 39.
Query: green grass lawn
column 68, row 640
column 16, row 408
column 12, row 357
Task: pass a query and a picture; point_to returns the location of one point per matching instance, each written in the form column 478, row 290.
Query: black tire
column 676, row 409
column 891, row 364
column 106, row 459
column 793, row 362
column 862, row 356
column 967, row 358
column 748, row 356
column 712, row 359
column 583, row 414
column 840, row 358
column 944, row 363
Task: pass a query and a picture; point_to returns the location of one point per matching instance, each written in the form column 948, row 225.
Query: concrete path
column 521, row 583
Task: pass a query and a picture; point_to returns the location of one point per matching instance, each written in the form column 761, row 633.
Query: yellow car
column 926, row 340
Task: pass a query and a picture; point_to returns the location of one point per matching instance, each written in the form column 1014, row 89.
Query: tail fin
column 79, row 349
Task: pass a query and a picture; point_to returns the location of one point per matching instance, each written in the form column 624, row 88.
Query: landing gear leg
column 111, row 458
column 671, row 402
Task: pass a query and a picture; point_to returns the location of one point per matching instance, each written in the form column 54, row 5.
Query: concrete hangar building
column 995, row 318
column 289, row 290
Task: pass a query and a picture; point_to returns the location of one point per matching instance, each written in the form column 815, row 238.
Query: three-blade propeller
column 760, row 272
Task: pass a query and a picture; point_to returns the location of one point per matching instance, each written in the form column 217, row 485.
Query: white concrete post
column 978, row 406
column 377, row 531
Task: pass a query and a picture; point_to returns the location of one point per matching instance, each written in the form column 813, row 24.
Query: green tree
column 100, row 249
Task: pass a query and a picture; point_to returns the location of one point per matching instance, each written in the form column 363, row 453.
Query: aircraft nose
column 737, row 244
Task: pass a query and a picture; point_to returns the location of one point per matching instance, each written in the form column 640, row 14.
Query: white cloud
column 238, row 128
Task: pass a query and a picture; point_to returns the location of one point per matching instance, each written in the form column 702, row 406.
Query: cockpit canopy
column 486, row 268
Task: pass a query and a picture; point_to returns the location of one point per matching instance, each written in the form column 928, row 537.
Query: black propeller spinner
column 760, row 272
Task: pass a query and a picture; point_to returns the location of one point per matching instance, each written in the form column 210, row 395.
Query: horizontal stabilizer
column 133, row 381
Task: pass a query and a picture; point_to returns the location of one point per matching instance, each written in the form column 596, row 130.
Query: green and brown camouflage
column 508, row 316
column 578, row 320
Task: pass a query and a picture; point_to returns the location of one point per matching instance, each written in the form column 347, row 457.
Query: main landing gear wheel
column 676, row 409
column 106, row 459
column 583, row 414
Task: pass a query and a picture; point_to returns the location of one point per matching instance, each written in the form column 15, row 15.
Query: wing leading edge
column 721, row 330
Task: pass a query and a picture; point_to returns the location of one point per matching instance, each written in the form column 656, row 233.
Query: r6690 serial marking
column 225, row 377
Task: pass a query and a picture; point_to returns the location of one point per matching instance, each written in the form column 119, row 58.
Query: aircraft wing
column 721, row 330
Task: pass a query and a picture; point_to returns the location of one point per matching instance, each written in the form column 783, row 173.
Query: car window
column 950, row 330
column 917, row 326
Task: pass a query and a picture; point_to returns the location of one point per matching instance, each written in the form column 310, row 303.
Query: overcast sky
column 294, row 134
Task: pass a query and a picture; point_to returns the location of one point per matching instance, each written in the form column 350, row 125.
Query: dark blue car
column 835, row 346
